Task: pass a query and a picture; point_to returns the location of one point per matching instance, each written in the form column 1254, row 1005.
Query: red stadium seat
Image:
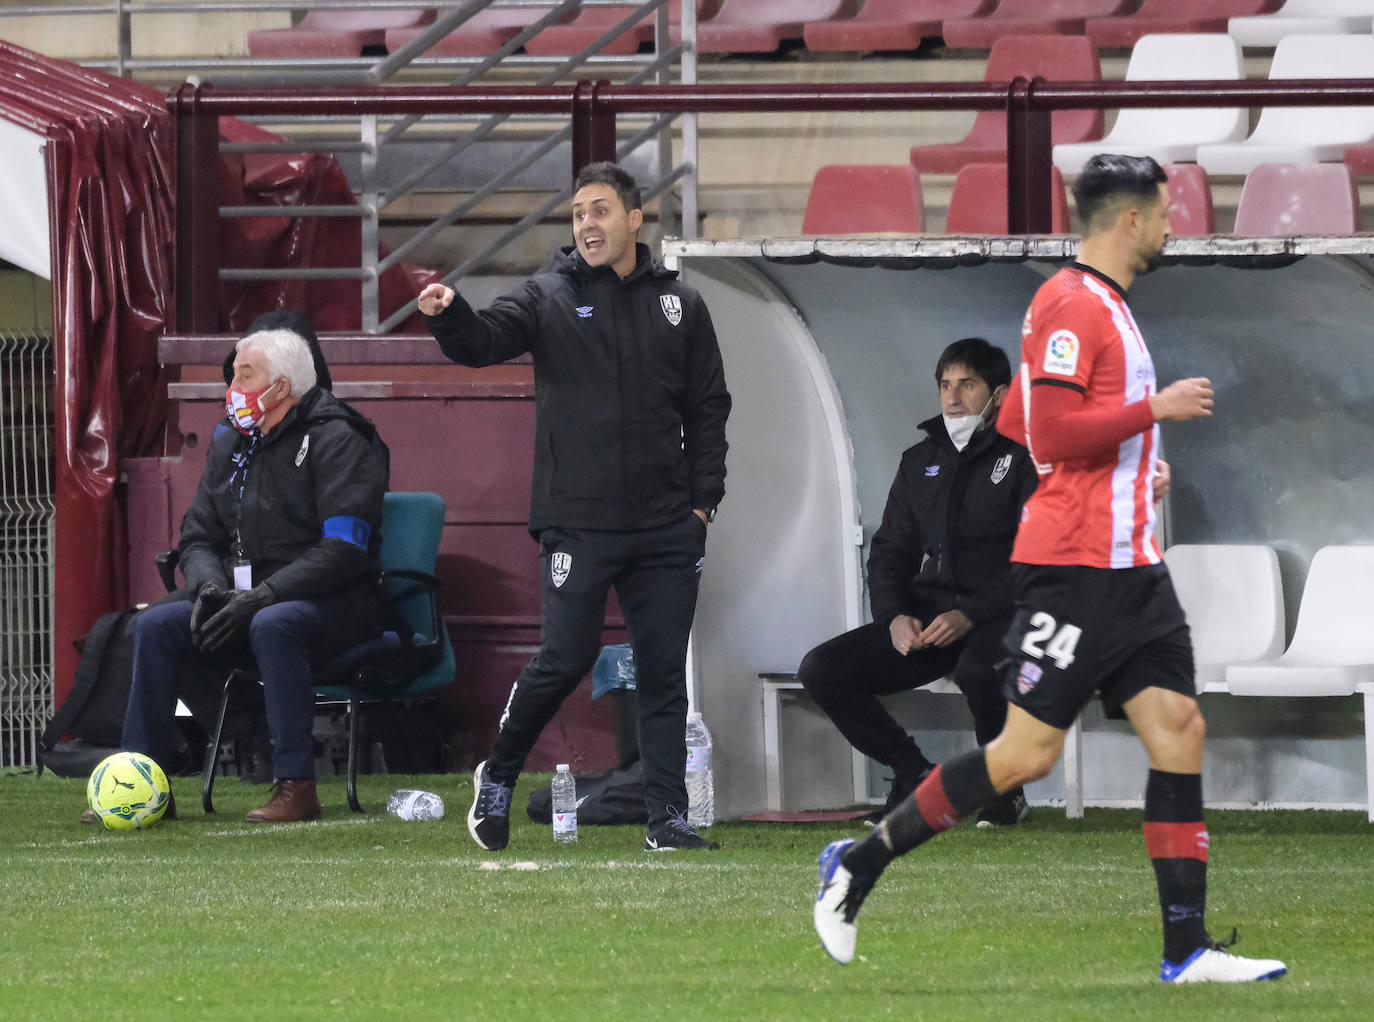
column 1061, row 58
column 978, row 204
column 480, row 35
column 891, row 24
column 1360, row 158
column 760, row 26
column 864, row 200
column 1283, row 199
column 1030, row 17
column 1190, row 201
column 1173, row 16
column 593, row 22
column 326, row 33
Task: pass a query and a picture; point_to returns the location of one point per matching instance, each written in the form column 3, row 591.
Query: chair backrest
column 978, row 203
column 1064, row 58
column 1190, row 201
column 1325, row 8
column 1186, row 9
column 1319, row 56
column 1283, row 199
column 779, row 12
column 1233, row 597
column 1337, row 608
column 412, row 523
column 325, row 20
column 1180, row 57
column 849, row 199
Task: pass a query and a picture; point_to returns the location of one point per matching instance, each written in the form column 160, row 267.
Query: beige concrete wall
column 25, row 301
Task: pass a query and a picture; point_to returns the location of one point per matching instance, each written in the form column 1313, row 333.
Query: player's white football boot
column 837, row 903
column 1215, row 964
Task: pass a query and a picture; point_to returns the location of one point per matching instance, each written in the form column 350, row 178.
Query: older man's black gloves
column 220, row 618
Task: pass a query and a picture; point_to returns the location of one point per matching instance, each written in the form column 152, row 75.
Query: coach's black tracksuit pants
column 655, row 573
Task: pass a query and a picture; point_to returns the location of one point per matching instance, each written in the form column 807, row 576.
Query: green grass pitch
column 369, row 917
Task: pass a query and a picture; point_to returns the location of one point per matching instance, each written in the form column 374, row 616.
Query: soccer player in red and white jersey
column 1096, row 612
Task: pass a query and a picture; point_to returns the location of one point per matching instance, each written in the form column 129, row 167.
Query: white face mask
column 962, row 427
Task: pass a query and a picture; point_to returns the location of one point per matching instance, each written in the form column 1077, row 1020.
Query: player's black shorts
column 1082, row 630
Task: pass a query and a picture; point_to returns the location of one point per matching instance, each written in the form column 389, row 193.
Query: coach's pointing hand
column 1182, row 400
column 434, row 299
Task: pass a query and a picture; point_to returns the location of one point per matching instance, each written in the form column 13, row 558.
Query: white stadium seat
column 1302, row 17
column 1303, row 134
column 1332, row 652
column 1170, row 136
column 1233, row 597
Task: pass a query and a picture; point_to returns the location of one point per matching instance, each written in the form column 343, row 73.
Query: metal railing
column 26, row 546
column 369, row 137
column 593, row 109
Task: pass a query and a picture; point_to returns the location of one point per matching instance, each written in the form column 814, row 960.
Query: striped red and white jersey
column 1098, row 510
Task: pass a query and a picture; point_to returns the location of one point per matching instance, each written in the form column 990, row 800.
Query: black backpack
column 609, row 798
column 94, row 708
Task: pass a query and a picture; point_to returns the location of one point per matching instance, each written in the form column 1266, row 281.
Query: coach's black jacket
column 630, row 398
column 958, row 512
column 323, row 460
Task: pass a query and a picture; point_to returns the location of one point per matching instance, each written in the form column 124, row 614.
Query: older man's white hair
column 287, row 354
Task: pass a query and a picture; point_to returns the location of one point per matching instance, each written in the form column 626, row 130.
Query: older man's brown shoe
column 88, row 816
column 292, row 801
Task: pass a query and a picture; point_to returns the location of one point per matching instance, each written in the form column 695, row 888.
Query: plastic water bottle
column 564, row 804
column 701, row 788
column 413, row 804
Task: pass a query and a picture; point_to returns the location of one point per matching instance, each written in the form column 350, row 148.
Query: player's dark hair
column 1108, row 179
column 612, row 174
column 988, row 361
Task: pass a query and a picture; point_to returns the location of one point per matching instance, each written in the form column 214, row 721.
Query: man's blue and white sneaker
column 489, row 817
column 837, row 903
column 1215, row 964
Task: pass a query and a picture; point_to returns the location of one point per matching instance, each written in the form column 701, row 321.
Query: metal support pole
column 124, row 43
column 593, row 126
column 690, row 215
column 197, row 253
column 371, row 234
column 1029, row 181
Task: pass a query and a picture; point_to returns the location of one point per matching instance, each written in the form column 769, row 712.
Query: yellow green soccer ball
column 128, row 791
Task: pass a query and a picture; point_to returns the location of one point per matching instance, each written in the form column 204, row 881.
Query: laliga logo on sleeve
column 672, row 308
column 1061, row 353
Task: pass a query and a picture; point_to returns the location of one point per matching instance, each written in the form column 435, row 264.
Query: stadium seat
column 1190, row 201
column 1059, row 58
column 482, row 34
column 1283, row 199
column 593, row 22
column 1303, row 17
column 761, row 26
column 1360, row 159
column 1155, row 16
column 1332, row 652
column 890, row 24
column 1303, row 134
column 978, row 204
column 864, row 200
column 1233, row 597
column 331, row 33
column 1030, row 17
column 1170, row 136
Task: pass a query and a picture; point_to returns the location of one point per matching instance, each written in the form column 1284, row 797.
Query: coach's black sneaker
column 903, row 785
column 489, row 817
column 676, row 833
column 1004, row 811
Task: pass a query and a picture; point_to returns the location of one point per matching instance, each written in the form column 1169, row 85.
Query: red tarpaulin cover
column 111, row 208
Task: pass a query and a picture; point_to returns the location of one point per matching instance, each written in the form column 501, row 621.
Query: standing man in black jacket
column 629, row 465
column 937, row 578
column 279, row 549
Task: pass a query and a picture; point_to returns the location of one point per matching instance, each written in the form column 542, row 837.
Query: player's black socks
column 951, row 792
column 1176, row 838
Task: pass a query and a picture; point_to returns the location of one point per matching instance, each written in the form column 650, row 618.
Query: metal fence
column 26, row 545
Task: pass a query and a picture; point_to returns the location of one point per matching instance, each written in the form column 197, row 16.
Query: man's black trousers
column 655, row 573
column 847, row 674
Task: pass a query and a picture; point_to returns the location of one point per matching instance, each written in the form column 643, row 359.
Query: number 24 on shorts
column 1062, row 640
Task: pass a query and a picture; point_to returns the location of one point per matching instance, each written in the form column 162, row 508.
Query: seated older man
column 279, row 552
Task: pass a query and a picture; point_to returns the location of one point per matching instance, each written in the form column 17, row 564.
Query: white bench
column 773, row 684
